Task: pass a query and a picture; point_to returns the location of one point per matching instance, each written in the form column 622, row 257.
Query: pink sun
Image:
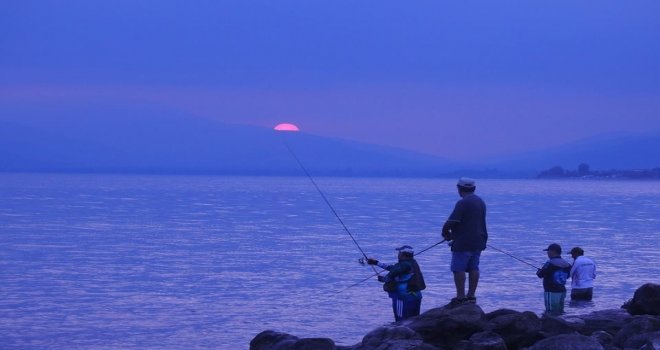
column 286, row 127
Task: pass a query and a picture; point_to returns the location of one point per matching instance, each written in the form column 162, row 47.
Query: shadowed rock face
column 468, row 327
column 270, row 340
column 645, row 301
column 568, row 342
column 444, row 327
column 517, row 329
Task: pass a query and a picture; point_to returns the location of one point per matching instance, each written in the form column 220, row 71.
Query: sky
column 458, row 79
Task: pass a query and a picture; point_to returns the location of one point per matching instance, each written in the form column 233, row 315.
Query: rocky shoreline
column 636, row 325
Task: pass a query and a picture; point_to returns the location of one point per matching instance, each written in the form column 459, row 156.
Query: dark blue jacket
column 554, row 273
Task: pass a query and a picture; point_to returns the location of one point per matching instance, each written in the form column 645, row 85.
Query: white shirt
column 583, row 273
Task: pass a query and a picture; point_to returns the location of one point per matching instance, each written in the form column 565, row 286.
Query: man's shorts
column 465, row 261
column 581, row 293
column 554, row 302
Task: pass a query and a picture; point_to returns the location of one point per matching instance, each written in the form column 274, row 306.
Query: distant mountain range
column 198, row 146
column 178, row 145
column 603, row 152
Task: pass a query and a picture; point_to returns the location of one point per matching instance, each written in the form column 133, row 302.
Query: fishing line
column 521, row 260
column 511, row 255
column 327, row 202
column 423, row 250
column 368, row 278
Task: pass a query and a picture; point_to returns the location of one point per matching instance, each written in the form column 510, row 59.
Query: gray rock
column 638, row 325
column 462, row 345
column 517, row 329
column 271, row 340
column 404, row 345
column 487, row 340
column 610, row 321
column 500, row 312
column 388, row 334
column 652, row 342
column 568, row 342
column 643, row 340
column 313, row 344
column 555, row 325
column 603, row 338
column 446, row 326
column 645, row 301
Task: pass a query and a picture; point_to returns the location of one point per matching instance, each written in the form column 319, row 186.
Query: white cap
column 406, row 249
column 466, row 182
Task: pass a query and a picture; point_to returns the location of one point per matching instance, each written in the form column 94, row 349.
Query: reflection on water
column 179, row 262
column 581, row 304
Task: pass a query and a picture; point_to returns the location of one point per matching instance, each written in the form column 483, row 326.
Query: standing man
column 466, row 228
column 554, row 273
column 404, row 283
column 583, row 273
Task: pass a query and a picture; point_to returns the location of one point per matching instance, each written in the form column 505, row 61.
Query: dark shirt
column 406, row 274
column 554, row 273
column 467, row 224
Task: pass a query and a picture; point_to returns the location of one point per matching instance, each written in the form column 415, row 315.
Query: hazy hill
column 147, row 141
column 183, row 145
column 630, row 151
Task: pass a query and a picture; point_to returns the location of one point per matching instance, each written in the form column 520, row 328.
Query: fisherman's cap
column 466, row 182
column 554, row 247
column 406, row 249
column 577, row 251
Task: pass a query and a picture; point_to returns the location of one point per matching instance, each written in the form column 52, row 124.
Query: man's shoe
column 457, row 301
column 471, row 300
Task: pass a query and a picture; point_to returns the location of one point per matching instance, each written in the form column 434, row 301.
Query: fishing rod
column 327, row 202
column 511, row 255
column 423, row 250
column 416, row 254
column 368, row 278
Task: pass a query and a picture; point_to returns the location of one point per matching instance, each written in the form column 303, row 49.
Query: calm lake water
column 179, row 262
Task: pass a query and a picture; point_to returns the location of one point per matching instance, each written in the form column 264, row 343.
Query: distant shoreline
column 644, row 175
column 583, row 172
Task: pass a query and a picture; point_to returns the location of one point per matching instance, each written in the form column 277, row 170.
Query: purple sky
column 456, row 79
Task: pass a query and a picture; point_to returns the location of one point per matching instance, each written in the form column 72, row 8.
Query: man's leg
column 459, row 281
column 554, row 302
column 472, row 283
column 473, row 270
column 411, row 305
column 459, row 262
column 397, row 308
column 562, row 301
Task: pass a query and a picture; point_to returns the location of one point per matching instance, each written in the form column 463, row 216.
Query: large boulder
column 644, row 340
column 446, row 326
column 610, row 321
column 393, row 338
column 645, row 301
column 637, row 326
column 518, row 329
column 500, row 312
column 486, row 340
column 568, row 342
column 605, row 339
column 271, row 340
column 554, row 325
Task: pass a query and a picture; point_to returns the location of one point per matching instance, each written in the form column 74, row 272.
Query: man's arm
column 447, row 228
column 543, row 270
